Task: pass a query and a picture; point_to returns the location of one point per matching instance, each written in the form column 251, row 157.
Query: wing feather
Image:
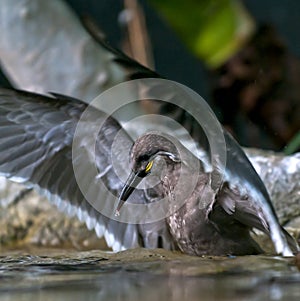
column 36, row 136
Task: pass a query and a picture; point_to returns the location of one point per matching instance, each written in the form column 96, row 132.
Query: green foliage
column 213, row 30
column 293, row 145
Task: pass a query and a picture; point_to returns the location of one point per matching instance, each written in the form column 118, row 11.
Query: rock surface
column 41, row 55
column 141, row 274
column 281, row 175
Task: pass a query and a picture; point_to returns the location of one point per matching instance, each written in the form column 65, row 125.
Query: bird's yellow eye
column 149, row 166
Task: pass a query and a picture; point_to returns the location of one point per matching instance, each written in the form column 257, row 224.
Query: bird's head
column 146, row 152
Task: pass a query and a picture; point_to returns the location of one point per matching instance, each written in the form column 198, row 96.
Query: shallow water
column 144, row 275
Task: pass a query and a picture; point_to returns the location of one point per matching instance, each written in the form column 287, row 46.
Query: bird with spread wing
column 36, row 139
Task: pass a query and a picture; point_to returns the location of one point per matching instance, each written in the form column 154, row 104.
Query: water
column 144, row 275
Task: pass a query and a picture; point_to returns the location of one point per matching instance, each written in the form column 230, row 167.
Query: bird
column 36, row 140
column 204, row 223
column 37, row 134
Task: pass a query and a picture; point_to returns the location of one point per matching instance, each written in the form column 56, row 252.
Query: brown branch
column 138, row 38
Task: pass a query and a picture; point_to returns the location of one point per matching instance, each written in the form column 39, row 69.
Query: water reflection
column 97, row 278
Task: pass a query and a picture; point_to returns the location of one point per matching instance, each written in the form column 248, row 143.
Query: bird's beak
column 132, row 182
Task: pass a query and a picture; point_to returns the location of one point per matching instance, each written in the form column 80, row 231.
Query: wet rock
column 45, row 48
column 28, row 218
column 143, row 274
column 281, row 175
column 156, row 261
column 297, row 261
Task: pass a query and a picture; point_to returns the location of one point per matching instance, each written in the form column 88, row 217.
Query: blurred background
column 242, row 57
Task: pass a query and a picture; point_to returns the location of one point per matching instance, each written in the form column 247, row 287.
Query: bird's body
column 200, row 221
column 198, row 232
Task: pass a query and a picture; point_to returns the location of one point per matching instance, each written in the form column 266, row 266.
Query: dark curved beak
column 132, row 182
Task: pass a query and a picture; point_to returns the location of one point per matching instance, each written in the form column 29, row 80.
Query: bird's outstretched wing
column 245, row 197
column 132, row 68
column 36, row 136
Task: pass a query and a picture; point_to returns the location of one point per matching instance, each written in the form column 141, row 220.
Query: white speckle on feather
column 99, row 230
column 109, row 237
